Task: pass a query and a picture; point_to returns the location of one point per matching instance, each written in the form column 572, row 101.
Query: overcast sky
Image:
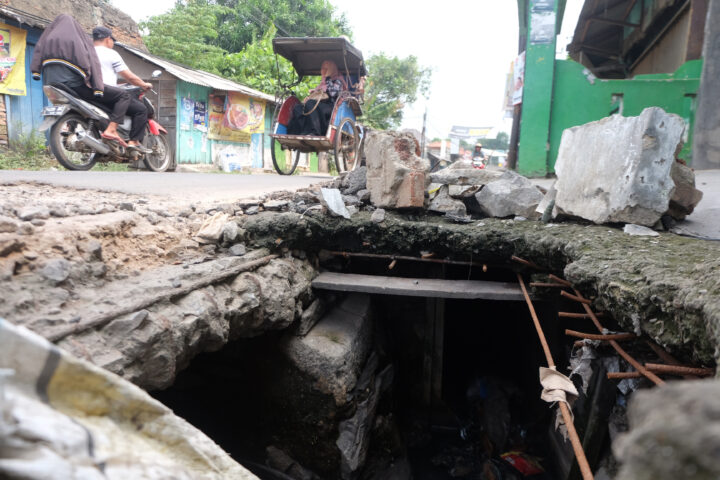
column 468, row 44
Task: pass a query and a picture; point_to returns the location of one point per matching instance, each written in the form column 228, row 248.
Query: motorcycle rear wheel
column 162, row 154
column 63, row 134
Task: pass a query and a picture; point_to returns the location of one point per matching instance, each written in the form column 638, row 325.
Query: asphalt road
column 180, row 186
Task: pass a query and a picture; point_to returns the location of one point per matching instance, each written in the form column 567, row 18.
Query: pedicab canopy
column 308, row 53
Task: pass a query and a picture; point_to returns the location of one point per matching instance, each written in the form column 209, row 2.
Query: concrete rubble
column 619, row 170
column 396, row 175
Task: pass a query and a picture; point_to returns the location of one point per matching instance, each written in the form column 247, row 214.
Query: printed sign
column 12, row 60
column 186, row 113
column 235, row 117
column 518, row 79
column 199, row 114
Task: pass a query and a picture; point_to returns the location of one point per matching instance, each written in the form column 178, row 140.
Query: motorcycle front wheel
column 161, row 157
column 69, row 151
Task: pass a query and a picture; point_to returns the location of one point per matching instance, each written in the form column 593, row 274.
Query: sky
column 469, row 45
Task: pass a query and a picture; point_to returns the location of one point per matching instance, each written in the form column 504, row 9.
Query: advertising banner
column 12, row 60
column 518, row 79
column 234, row 117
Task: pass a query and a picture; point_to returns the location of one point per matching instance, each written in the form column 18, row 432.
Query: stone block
column 685, row 196
column 510, row 195
column 618, row 169
column 396, row 175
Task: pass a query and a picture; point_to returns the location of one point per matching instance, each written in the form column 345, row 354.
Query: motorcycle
column 75, row 126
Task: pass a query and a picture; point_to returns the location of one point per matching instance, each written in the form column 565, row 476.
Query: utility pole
column 706, row 139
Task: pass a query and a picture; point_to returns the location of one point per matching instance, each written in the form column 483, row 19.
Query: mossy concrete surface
column 666, row 287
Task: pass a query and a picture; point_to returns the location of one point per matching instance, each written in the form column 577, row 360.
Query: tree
column 500, row 143
column 256, row 67
column 392, row 83
column 246, row 21
column 185, row 34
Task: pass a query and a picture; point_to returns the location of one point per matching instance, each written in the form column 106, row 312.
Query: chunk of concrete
column 673, row 433
column 355, row 181
column 212, row 228
column 332, row 199
column 396, row 175
column 462, row 172
column 618, row 169
column 333, row 351
column 685, row 196
column 444, row 203
column 510, row 195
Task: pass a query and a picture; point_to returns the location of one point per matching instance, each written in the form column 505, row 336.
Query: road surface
column 181, row 186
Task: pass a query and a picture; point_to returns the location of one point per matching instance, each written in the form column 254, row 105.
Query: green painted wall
column 579, row 100
column 192, row 145
column 537, row 92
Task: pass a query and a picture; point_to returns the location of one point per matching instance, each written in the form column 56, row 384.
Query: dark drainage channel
column 390, row 386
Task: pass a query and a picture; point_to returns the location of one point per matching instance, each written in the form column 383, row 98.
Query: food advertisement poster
column 12, row 60
column 235, row 117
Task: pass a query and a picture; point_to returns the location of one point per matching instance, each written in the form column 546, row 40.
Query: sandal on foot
column 115, row 138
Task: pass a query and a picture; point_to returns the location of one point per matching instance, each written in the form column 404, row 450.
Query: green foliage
column 256, row 67
column 26, row 152
column 246, row 21
column 392, row 83
column 186, row 34
column 502, row 142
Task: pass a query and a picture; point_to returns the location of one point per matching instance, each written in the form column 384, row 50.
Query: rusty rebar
column 578, row 315
column 564, row 409
column 665, row 356
column 602, row 337
column 560, row 280
column 651, row 376
column 402, row 257
column 527, row 263
column 105, row 318
column 680, row 369
column 546, row 285
column 575, row 297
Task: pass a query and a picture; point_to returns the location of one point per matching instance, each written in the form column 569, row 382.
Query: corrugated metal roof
column 198, row 77
column 24, row 17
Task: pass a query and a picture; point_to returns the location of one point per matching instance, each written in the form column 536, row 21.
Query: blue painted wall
column 193, row 146
column 23, row 111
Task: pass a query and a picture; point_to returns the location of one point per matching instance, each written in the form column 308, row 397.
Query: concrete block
column 618, row 169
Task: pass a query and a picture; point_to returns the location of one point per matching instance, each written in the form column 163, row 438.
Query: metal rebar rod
column 575, row 297
column 546, row 285
column 527, row 263
column 557, row 279
column 578, row 315
column 604, row 338
column 651, row 376
column 665, row 356
column 680, row 369
column 623, row 375
column 401, row 257
column 564, row 409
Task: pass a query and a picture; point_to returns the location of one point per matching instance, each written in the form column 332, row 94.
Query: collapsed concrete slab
column 618, row 169
column 511, row 194
column 396, row 175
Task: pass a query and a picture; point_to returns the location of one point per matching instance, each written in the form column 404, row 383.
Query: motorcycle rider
column 112, row 65
column 65, row 55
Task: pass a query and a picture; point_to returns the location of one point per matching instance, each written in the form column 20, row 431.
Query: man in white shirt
column 113, row 65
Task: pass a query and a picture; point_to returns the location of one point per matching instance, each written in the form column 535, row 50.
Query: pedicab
column 344, row 135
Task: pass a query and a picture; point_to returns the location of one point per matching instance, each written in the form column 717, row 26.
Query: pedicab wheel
column 67, row 148
column 285, row 161
column 346, row 145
